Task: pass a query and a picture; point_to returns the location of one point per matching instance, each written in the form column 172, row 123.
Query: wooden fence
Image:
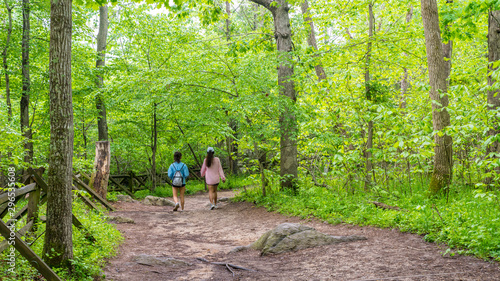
column 37, row 190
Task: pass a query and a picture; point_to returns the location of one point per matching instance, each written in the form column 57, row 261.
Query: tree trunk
column 100, row 176
column 58, row 246
column 102, row 37
column 404, row 81
column 154, row 148
column 228, row 21
column 25, row 97
column 369, row 140
column 311, row 39
column 232, row 145
column 443, row 149
column 493, row 100
column 288, row 122
column 5, row 55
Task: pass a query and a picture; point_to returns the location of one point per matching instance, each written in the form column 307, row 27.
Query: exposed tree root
column 227, row 265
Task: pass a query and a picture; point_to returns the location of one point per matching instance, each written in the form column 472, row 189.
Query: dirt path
column 199, row 232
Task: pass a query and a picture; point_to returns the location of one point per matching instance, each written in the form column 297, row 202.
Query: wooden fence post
column 34, row 199
column 131, row 181
column 100, row 176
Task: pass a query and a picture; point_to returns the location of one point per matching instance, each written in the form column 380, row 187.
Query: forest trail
column 198, row 232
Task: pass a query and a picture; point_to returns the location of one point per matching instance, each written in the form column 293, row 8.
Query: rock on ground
column 119, row 219
column 162, row 261
column 292, row 237
column 157, row 201
column 124, row 198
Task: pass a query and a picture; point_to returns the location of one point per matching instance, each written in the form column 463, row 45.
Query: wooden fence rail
column 37, row 191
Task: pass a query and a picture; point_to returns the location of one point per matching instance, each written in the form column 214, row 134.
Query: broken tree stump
column 100, row 176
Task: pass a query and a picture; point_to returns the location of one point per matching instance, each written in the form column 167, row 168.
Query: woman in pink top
column 212, row 171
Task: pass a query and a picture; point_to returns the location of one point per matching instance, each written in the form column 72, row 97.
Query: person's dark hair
column 210, row 158
column 177, row 156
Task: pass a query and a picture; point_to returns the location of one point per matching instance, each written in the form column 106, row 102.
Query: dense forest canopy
column 187, row 75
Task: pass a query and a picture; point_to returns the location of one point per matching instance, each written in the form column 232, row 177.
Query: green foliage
column 466, row 219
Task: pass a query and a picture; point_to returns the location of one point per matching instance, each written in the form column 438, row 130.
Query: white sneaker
column 176, row 207
column 212, row 207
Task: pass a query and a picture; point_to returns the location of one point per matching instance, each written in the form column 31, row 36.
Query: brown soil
column 198, row 232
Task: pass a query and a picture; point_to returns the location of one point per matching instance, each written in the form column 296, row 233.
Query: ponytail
column 210, row 158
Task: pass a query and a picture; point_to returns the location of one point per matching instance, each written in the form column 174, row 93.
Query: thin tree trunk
column 288, row 122
column 25, row 97
column 311, row 39
column 369, row 140
column 58, row 246
column 404, row 81
column 228, row 21
column 493, row 99
column 102, row 36
column 154, row 148
column 5, row 55
column 443, row 149
column 232, row 145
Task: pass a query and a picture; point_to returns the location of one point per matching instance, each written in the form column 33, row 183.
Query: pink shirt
column 213, row 172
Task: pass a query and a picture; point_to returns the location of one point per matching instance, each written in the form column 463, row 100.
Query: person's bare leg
column 211, row 194
column 174, row 194
column 215, row 195
column 182, row 189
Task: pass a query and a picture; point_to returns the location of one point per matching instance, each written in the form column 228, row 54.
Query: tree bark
column 311, row 39
column 58, row 246
column 288, row 122
column 369, row 140
column 404, row 81
column 493, row 99
column 100, row 176
column 5, row 55
column 154, row 147
column 443, row 158
column 25, row 97
column 102, row 37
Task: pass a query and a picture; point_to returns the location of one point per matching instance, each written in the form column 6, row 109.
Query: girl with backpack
column 178, row 172
column 212, row 171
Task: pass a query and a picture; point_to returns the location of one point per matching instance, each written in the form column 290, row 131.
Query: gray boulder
column 119, row 219
column 288, row 237
column 161, row 261
column 157, row 201
column 124, row 198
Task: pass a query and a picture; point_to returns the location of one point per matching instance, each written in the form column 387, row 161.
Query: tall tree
column 5, row 55
column 493, row 99
column 102, row 37
column 58, row 246
column 404, row 80
column 443, row 149
column 231, row 143
column 25, row 97
column 288, row 122
column 311, row 38
column 369, row 139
